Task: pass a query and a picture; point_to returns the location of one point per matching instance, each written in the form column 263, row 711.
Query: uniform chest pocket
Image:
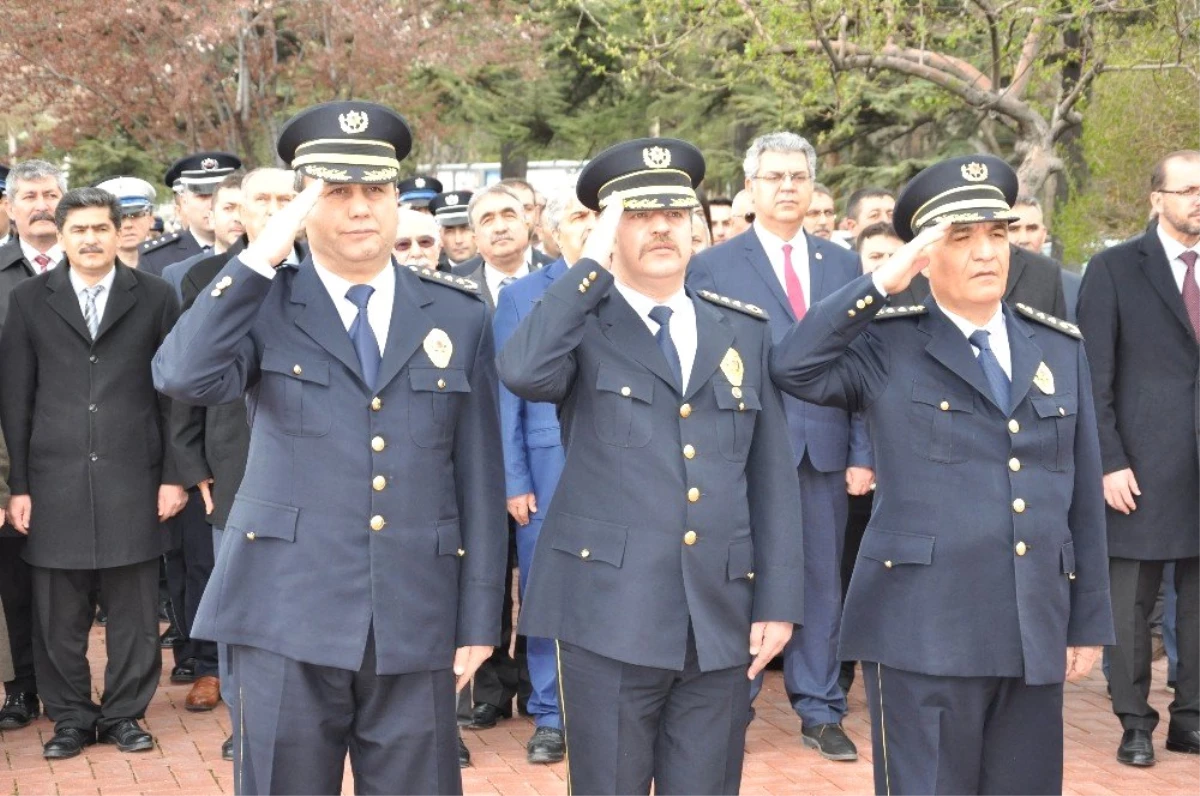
column 735, row 425
column 1056, row 429
column 433, row 404
column 940, row 427
column 624, row 411
column 295, row 391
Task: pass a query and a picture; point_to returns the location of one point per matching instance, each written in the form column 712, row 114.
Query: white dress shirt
column 78, row 285
column 55, row 253
column 379, row 308
column 997, row 329
column 773, row 244
column 494, row 276
column 683, row 323
column 1174, row 248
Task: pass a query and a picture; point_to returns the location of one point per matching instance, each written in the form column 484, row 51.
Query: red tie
column 795, row 290
column 43, row 263
column 1191, row 291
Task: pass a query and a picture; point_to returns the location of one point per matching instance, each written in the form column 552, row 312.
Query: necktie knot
column 979, row 339
column 1189, row 258
column 506, row 281
column 43, row 262
column 661, row 315
column 359, row 295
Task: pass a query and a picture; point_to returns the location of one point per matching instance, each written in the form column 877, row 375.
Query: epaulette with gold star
column 1046, row 319
column 906, row 311
column 449, row 280
column 159, row 242
column 753, row 310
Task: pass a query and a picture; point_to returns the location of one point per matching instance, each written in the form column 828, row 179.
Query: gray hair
column 782, row 141
column 556, row 208
column 35, row 170
column 496, row 189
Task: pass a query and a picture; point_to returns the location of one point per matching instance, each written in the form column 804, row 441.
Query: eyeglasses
column 1191, row 193
column 404, row 244
column 777, row 178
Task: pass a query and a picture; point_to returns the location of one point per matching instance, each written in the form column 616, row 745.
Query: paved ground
column 188, row 761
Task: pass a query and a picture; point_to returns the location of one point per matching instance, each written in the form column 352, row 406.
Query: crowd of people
column 339, row 428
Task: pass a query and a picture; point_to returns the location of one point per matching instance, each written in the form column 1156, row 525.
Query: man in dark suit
column 982, row 581
column 669, row 559
column 779, row 267
column 360, row 576
column 34, row 189
column 92, row 475
column 1140, row 312
column 1029, row 232
column 193, row 179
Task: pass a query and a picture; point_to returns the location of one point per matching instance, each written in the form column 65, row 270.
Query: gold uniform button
column 689, row 538
column 376, row 404
column 226, row 282
column 689, row 452
column 592, row 276
column 216, row 293
column 685, row 411
column 887, row 564
column 861, row 304
column 749, row 576
column 1062, row 412
column 586, row 282
column 1014, row 465
column 441, row 383
column 377, row 444
column 297, row 369
column 944, row 406
column 585, row 553
column 1019, row 506
column 693, row 495
column 626, row 391
column 737, row 392
column 851, row 313
column 741, row 407
column 377, row 523
column 869, row 300
column 460, row 552
column 379, row 483
column 251, row 536
column 1070, row 576
column 1014, row 426
column 1021, row 548
column 582, row 289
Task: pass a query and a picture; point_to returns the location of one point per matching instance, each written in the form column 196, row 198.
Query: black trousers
column 16, row 592
column 627, row 726
column 963, row 735
column 188, row 571
column 503, row 675
column 63, row 618
column 1135, row 586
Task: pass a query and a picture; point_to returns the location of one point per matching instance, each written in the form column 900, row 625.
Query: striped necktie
column 90, row 316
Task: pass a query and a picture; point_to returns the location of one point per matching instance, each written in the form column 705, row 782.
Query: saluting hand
column 767, row 639
column 895, row 275
column 601, row 239
column 278, row 238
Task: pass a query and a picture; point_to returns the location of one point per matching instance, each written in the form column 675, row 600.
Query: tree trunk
column 513, row 161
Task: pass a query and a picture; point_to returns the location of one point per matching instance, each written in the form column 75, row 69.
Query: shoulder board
column 909, row 311
column 1046, row 319
column 449, row 280
column 753, row 310
column 158, row 243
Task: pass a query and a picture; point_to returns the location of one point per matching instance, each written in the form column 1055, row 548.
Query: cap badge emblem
column 353, row 122
column 419, row 182
column 656, row 157
column 452, row 199
column 208, row 164
column 974, row 172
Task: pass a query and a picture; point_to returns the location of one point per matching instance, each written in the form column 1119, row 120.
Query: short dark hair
column 879, row 229
column 821, row 188
column 232, row 181
column 1026, row 200
column 854, row 203
column 1158, row 177
column 79, row 198
column 723, row 201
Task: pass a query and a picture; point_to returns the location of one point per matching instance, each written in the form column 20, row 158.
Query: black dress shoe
column 227, row 749
column 830, row 740
column 546, row 746
column 19, row 709
column 464, row 754
column 1136, row 749
column 184, row 672
column 68, row 742
column 1185, row 741
column 170, row 638
column 163, row 614
column 101, row 616
column 485, row 716
column 128, row 736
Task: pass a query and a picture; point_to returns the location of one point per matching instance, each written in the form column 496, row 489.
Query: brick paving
column 187, row 759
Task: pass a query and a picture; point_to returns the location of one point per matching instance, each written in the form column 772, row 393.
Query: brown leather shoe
column 205, row 694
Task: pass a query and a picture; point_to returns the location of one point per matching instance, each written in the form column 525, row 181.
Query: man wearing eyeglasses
column 777, row 266
column 417, row 240
column 1139, row 308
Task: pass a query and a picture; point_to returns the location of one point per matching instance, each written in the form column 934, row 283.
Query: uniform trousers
column 63, row 616
column 540, row 654
column 628, row 726
column 295, row 723
column 504, row 674
column 16, row 592
column 963, row 735
column 1135, row 585
column 188, row 571
column 810, row 660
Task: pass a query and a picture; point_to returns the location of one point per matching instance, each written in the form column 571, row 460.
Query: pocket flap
column 629, row 383
column 728, row 399
column 591, row 540
column 1068, row 558
column 449, row 538
column 897, row 548
column 263, row 519
column 312, row 370
column 937, row 395
column 439, row 380
column 741, row 558
column 1055, row 405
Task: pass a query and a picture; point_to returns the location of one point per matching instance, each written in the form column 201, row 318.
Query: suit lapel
column 948, row 346
column 761, row 264
column 1016, row 267
column 320, row 320
column 64, row 301
column 409, row 326
column 629, row 333
column 714, row 336
column 120, row 301
column 1158, row 272
column 1026, row 356
column 816, row 271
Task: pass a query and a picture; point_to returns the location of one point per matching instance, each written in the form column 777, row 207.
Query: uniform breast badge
column 732, row 367
column 1044, row 379
column 439, row 348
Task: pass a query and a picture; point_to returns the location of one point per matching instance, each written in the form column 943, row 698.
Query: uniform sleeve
column 512, row 425
column 1098, row 320
column 19, row 364
column 861, row 454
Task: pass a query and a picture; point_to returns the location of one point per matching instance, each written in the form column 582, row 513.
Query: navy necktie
column 996, row 377
column 662, row 316
column 365, row 343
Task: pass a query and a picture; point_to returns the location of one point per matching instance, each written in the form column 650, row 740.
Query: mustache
column 660, row 241
column 41, row 215
column 91, row 250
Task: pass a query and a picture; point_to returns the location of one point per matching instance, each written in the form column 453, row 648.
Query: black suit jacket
column 86, row 429
column 473, row 269
column 1145, row 366
column 1033, row 280
column 14, row 269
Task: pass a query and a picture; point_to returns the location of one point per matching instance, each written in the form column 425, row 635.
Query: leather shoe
column 485, row 716
column 1136, row 749
column 184, row 672
column 170, row 638
column 19, row 709
column 546, row 746
column 464, row 754
column 101, row 616
column 1185, row 741
column 227, row 749
column 68, row 742
column 205, row 694
column 830, row 740
column 128, row 735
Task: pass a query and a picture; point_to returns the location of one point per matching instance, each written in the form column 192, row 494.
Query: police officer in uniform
column 359, row 580
column 982, row 579
column 669, row 567
column 194, row 179
column 458, row 239
column 417, row 192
